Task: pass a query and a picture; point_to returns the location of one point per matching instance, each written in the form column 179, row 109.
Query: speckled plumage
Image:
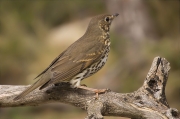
column 81, row 59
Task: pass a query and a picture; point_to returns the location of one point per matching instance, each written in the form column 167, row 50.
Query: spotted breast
column 75, row 82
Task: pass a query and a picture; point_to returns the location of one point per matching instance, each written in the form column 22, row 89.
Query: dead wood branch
column 148, row 102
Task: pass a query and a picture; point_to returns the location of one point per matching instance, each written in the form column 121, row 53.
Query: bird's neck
column 97, row 33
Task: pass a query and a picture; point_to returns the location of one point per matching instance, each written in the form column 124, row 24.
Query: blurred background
column 33, row 33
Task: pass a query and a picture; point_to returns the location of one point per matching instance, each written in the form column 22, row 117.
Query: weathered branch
column 148, row 102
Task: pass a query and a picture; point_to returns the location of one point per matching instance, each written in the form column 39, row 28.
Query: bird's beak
column 115, row 15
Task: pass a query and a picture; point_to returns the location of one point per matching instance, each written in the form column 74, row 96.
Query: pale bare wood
column 148, row 102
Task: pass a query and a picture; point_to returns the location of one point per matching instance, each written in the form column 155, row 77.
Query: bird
column 83, row 58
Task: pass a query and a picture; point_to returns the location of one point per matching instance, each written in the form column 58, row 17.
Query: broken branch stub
column 148, row 102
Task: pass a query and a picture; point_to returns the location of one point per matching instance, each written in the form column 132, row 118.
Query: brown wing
column 54, row 61
column 67, row 65
column 73, row 64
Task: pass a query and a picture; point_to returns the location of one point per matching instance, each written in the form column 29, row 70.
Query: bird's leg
column 97, row 91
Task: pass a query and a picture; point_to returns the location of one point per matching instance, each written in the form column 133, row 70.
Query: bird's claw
column 99, row 91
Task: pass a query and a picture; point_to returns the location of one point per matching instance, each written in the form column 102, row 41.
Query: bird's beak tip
column 116, row 14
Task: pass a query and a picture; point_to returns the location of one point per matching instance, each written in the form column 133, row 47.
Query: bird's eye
column 107, row 19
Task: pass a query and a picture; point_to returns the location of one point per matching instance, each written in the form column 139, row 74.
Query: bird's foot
column 96, row 91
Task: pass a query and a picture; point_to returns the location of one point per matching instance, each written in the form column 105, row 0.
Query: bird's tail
column 29, row 89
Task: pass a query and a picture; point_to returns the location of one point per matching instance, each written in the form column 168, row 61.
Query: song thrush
column 80, row 60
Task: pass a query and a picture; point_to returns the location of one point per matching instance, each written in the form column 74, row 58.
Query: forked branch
column 148, row 102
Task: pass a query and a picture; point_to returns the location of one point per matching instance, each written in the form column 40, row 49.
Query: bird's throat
column 105, row 35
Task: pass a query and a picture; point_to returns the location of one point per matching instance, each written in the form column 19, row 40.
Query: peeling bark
column 148, row 102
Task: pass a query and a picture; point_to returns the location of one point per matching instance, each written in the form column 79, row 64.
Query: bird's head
column 101, row 23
